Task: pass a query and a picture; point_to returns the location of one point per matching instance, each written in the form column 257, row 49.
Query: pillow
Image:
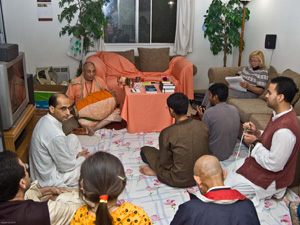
column 272, row 74
column 154, row 59
column 95, row 107
column 296, row 77
column 129, row 55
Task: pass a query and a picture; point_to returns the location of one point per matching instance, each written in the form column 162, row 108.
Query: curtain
column 184, row 27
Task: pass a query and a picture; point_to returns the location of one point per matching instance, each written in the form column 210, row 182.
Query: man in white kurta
column 275, row 159
column 55, row 158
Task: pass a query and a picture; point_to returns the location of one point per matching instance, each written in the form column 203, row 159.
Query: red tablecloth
column 146, row 112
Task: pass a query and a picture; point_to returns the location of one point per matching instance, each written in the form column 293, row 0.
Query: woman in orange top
column 101, row 181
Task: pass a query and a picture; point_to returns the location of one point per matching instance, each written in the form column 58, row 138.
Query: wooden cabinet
column 17, row 139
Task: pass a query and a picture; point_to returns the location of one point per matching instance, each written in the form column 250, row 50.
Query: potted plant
column 90, row 23
column 222, row 23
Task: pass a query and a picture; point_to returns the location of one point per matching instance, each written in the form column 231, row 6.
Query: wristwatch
column 255, row 142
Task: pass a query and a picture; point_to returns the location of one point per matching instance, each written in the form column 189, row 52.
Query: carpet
column 158, row 200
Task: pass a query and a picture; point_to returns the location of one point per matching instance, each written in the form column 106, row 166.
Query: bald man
column 80, row 88
column 55, row 159
column 216, row 204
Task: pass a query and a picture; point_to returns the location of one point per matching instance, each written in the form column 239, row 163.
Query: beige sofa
column 256, row 110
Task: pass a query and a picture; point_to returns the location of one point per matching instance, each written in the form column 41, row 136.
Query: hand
column 200, row 111
column 83, row 153
column 249, row 138
column 244, row 84
column 251, row 128
column 229, row 87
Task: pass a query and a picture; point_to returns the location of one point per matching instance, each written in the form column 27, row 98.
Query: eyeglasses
column 64, row 108
column 254, row 60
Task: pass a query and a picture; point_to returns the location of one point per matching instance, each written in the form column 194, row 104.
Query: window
column 140, row 21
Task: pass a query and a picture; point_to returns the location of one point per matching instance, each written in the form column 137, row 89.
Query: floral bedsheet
column 158, row 200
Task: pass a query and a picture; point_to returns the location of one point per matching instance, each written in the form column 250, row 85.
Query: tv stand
column 17, row 139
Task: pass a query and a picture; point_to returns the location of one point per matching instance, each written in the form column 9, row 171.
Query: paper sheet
column 234, row 82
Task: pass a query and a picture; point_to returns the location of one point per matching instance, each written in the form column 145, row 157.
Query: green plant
column 90, row 23
column 222, row 22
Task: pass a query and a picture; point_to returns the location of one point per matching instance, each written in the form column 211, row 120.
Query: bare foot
column 146, row 170
column 287, row 201
column 90, row 130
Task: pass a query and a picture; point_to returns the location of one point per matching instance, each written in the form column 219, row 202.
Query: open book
column 234, row 82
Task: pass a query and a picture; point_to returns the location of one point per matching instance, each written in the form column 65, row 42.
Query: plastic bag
column 76, row 47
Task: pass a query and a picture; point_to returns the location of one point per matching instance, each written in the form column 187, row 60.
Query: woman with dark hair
column 101, row 181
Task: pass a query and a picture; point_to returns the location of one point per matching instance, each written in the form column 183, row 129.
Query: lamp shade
column 245, row 2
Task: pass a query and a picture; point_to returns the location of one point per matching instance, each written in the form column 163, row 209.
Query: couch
column 150, row 65
column 256, row 110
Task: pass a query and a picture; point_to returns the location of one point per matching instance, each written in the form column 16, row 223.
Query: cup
column 138, row 79
column 130, row 81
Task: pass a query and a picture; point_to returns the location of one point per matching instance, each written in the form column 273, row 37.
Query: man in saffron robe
column 216, row 204
column 83, row 86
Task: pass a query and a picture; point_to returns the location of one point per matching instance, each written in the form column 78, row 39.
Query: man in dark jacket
column 216, row 204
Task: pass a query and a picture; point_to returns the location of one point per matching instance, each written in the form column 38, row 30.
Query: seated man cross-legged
column 82, row 87
column 271, row 167
column 15, row 206
column 55, row 158
column 179, row 146
column 216, row 204
column 222, row 120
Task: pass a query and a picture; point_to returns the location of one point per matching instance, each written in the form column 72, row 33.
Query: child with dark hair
column 102, row 180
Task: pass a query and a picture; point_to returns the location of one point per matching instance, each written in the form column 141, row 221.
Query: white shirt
column 283, row 142
column 52, row 154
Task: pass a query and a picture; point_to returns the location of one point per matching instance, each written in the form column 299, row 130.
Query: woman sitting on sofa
column 255, row 79
column 255, row 76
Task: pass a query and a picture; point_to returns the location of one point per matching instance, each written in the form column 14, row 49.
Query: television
column 13, row 90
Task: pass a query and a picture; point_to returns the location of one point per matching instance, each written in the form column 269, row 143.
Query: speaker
column 270, row 41
column 30, row 88
column 8, row 52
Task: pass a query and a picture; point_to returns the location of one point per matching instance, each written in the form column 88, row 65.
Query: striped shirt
column 257, row 78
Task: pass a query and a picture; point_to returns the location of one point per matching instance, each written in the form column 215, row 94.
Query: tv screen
column 13, row 90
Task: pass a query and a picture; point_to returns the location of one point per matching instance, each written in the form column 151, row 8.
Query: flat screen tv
column 13, row 90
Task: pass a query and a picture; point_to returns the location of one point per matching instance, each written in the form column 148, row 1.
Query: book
column 150, row 89
column 167, row 90
column 167, row 87
column 146, row 83
column 166, row 83
column 234, row 82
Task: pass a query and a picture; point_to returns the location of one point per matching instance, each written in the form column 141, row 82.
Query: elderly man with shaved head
column 216, row 203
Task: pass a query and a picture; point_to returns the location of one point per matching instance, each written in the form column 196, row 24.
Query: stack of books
column 167, row 87
column 150, row 89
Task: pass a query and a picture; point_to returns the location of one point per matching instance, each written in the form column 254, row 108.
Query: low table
column 146, row 112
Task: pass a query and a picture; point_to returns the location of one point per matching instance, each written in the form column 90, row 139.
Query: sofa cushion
column 128, row 55
column 154, row 59
column 272, row 74
column 246, row 107
column 260, row 120
column 296, row 77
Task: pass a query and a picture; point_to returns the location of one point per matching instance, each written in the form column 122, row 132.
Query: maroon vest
column 262, row 177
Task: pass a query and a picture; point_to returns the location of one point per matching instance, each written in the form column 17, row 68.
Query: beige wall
column 43, row 46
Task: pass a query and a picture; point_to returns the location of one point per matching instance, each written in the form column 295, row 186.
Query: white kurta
column 283, row 142
column 52, row 155
column 62, row 209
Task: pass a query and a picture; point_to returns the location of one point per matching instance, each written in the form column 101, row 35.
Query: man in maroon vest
column 271, row 166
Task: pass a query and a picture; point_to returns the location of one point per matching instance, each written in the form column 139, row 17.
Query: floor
column 158, row 200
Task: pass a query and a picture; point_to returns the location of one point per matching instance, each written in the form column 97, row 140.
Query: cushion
column 154, row 59
column 95, row 107
column 260, row 120
column 272, row 74
column 296, row 77
column 129, row 55
column 246, row 107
